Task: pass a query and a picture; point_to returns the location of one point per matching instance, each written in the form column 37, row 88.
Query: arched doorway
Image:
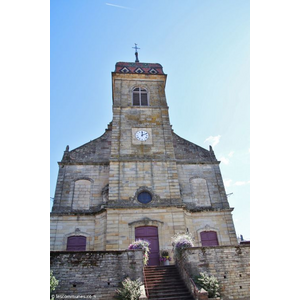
column 149, row 233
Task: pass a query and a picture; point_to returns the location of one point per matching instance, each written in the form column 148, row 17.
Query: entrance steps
column 164, row 283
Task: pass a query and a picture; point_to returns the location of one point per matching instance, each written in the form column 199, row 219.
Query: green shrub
column 53, row 283
column 209, row 283
column 130, row 290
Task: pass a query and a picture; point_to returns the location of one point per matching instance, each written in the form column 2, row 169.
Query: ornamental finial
column 136, row 53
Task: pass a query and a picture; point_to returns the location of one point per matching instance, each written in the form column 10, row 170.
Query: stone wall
column 114, row 229
column 211, row 178
column 92, row 226
column 94, row 275
column 78, row 182
column 229, row 264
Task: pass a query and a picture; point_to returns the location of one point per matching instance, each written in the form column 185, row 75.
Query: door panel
column 209, row 238
column 150, row 234
column 76, row 243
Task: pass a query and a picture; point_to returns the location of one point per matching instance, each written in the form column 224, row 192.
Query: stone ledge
column 217, row 247
column 126, row 204
column 114, row 252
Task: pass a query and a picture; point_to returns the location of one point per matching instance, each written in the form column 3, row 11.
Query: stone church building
column 139, row 179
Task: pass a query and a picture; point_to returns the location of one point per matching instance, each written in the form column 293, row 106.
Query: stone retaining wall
column 229, row 264
column 94, row 274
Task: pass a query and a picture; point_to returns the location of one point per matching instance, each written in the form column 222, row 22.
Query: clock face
column 142, row 135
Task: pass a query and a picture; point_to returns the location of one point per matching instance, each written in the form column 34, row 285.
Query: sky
column 204, row 48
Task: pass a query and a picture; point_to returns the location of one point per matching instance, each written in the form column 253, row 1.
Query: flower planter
column 166, row 263
column 165, row 258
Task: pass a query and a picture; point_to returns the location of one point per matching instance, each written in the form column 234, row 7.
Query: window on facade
column 76, row 243
column 144, row 197
column 209, row 238
column 139, row 97
column 200, row 192
column 82, row 193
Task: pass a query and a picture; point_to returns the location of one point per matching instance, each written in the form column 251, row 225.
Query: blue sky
column 203, row 46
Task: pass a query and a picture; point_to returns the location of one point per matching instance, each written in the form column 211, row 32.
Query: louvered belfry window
column 140, row 97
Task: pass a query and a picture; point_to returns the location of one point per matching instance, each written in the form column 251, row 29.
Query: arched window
column 76, row 243
column 82, row 193
column 200, row 191
column 209, row 238
column 139, row 97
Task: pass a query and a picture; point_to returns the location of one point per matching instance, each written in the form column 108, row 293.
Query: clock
column 142, row 135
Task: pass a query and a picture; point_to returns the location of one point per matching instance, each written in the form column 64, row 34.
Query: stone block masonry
column 229, row 264
column 94, row 274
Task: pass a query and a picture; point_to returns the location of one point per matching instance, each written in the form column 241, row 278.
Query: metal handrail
column 145, row 283
column 195, row 288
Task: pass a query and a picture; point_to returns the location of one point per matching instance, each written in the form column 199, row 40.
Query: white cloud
column 227, row 182
column 213, row 140
column 119, row 6
column 241, row 182
column 224, row 160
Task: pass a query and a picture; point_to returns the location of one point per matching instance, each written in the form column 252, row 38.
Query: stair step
column 174, row 276
column 169, row 293
column 158, row 276
column 166, row 289
column 166, row 295
column 161, row 272
column 168, row 271
column 159, row 268
column 172, row 298
column 166, row 286
column 165, row 283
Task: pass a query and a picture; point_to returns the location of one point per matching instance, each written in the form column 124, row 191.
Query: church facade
column 139, row 179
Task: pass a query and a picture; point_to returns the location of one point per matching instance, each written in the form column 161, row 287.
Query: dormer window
column 140, row 97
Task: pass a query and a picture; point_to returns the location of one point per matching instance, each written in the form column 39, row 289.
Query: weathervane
column 136, row 52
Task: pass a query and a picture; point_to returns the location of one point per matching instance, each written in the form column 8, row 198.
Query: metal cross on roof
column 136, row 52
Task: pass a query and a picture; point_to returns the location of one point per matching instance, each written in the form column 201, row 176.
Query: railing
column 145, row 283
column 187, row 279
column 195, row 288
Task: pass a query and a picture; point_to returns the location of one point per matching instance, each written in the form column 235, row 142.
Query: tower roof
column 139, row 68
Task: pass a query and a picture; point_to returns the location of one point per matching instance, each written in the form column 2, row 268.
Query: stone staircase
column 164, row 283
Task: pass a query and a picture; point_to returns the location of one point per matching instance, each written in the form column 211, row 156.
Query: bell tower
column 142, row 152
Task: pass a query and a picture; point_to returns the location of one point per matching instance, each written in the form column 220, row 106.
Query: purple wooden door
column 76, row 243
column 209, row 238
column 149, row 233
